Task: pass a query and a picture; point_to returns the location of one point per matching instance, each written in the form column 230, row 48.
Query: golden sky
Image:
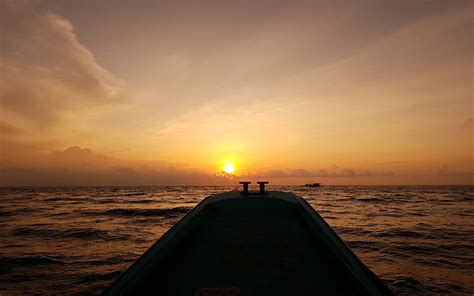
column 157, row 92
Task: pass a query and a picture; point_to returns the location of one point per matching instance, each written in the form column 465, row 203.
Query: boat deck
column 260, row 245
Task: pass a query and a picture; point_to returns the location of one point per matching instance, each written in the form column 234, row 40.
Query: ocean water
column 68, row 240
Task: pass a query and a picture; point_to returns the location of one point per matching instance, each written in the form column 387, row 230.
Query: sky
column 168, row 92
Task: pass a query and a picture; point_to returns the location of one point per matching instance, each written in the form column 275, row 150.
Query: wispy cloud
column 7, row 128
column 468, row 123
column 46, row 72
column 398, row 162
column 330, row 173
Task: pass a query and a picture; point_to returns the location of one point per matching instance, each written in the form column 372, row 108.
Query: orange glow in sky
column 379, row 92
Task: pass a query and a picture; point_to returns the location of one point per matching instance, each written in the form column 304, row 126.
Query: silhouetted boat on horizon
column 246, row 243
column 312, row 184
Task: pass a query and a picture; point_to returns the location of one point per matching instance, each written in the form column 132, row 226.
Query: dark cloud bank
column 83, row 167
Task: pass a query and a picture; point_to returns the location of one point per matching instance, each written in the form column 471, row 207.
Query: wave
column 54, row 199
column 30, row 260
column 398, row 233
column 133, row 194
column 373, row 200
column 351, row 231
column 364, row 246
column 5, row 214
column 128, row 258
column 123, row 194
column 95, row 277
column 106, row 201
column 79, row 233
column 69, row 199
column 424, row 254
column 140, row 201
column 409, row 283
column 171, row 212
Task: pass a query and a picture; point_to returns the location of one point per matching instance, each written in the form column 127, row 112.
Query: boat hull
column 274, row 244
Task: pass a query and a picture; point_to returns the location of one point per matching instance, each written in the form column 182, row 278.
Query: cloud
column 7, row 128
column 81, row 166
column 399, row 162
column 334, row 173
column 46, row 71
column 446, row 171
column 468, row 123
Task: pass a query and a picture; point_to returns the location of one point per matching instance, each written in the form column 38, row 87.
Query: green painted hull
column 274, row 244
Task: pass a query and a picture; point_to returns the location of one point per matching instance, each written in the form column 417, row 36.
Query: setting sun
column 228, row 168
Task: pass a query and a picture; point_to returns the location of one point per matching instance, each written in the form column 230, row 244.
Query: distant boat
column 233, row 243
column 312, row 184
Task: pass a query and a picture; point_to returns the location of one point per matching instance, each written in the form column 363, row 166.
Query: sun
column 228, row 168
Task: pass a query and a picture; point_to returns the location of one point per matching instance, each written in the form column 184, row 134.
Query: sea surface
column 68, row 240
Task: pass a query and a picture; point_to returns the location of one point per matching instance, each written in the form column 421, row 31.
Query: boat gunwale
column 128, row 277
column 341, row 250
